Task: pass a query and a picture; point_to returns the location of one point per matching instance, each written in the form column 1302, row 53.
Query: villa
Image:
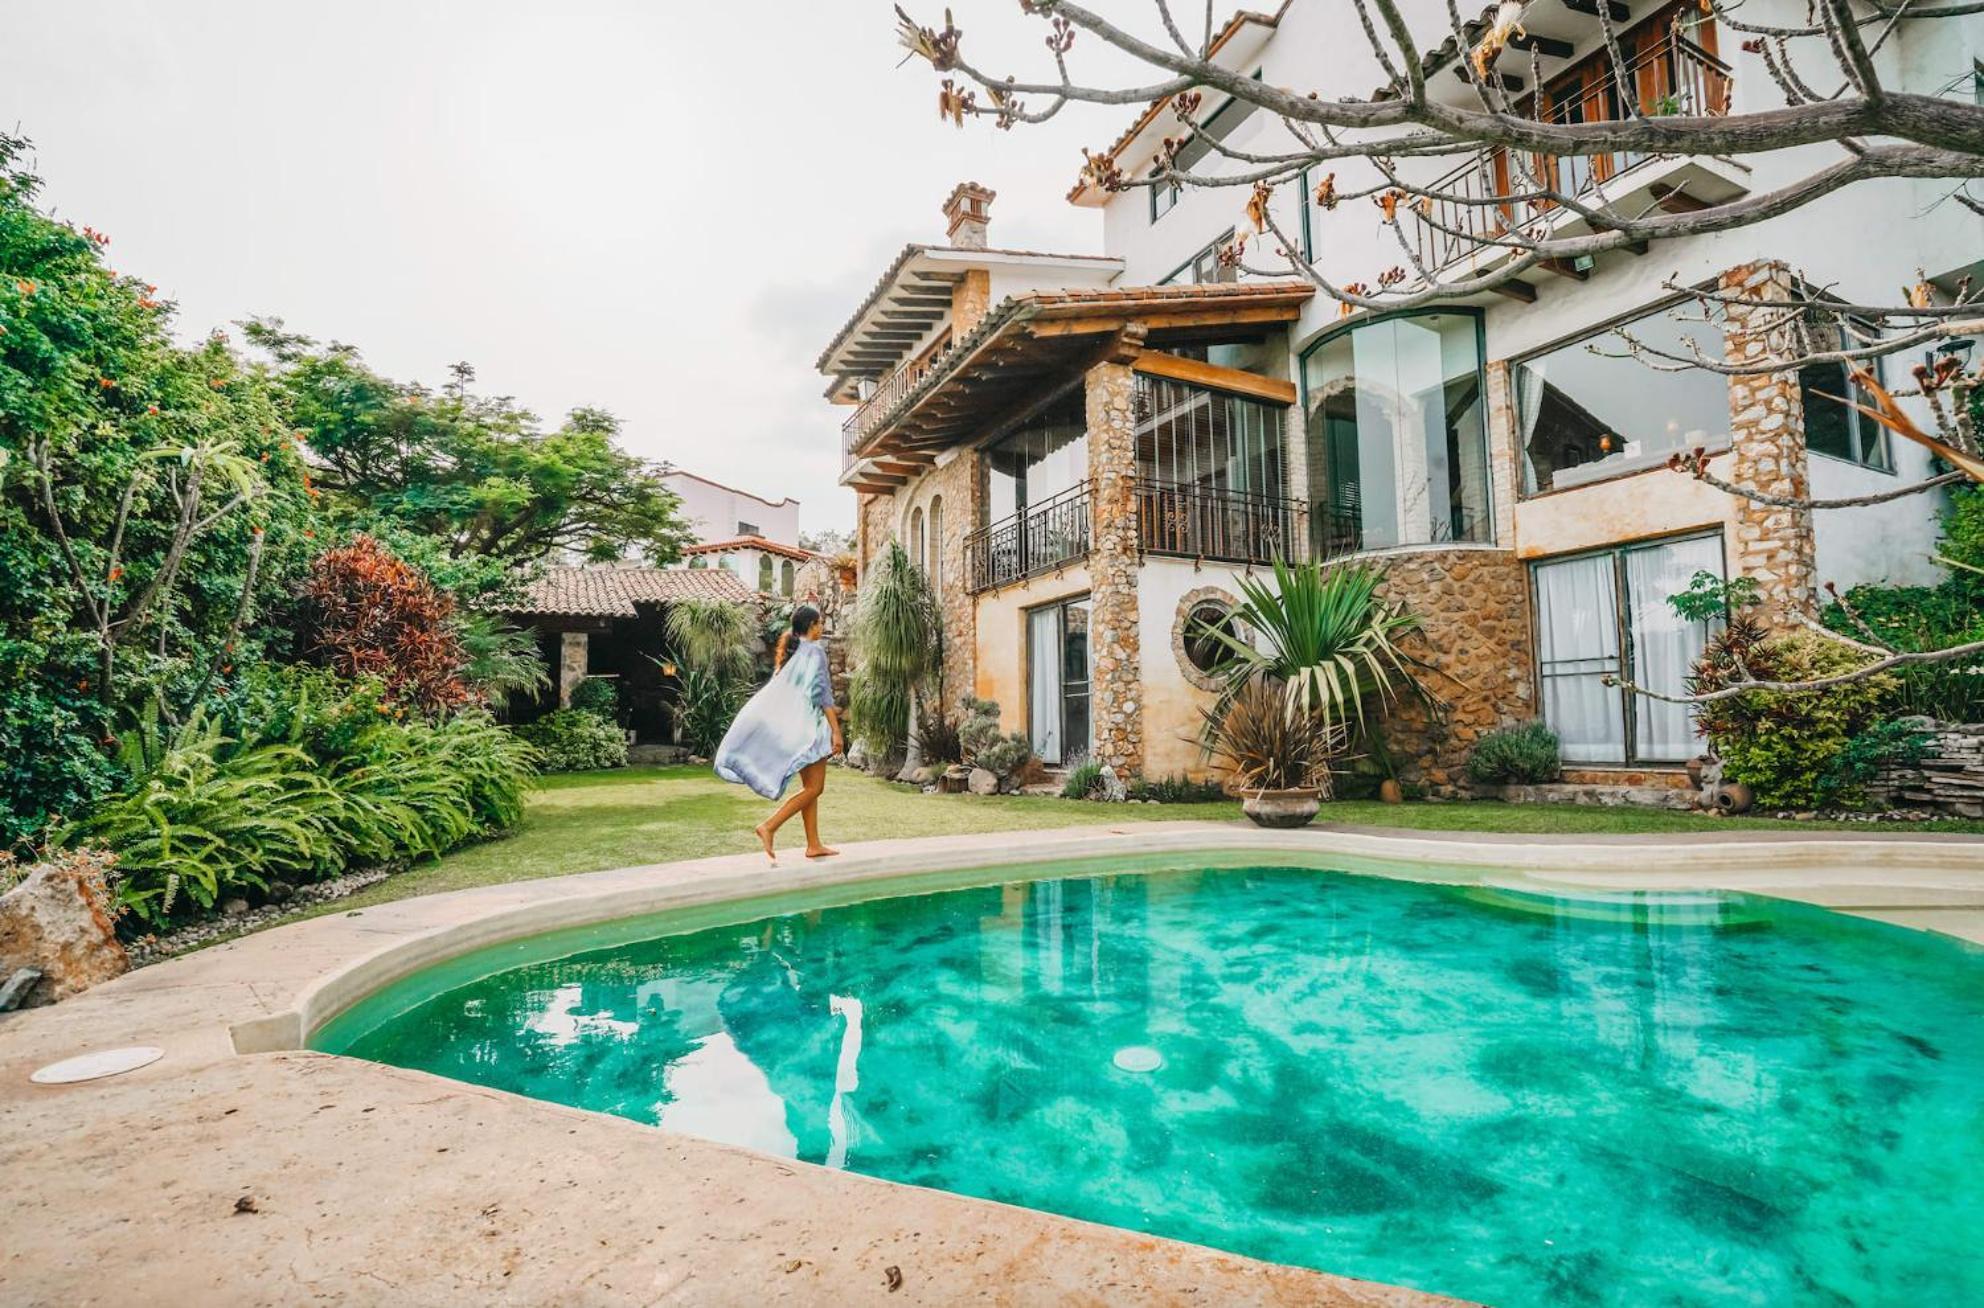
column 1084, row 452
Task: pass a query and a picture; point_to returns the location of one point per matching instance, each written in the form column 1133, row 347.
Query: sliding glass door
column 1058, row 681
column 1606, row 615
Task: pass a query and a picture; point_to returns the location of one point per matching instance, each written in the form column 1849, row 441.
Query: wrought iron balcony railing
column 1229, row 526
column 854, row 429
column 1471, row 206
column 1039, row 538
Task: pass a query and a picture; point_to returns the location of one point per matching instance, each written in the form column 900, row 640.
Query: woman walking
column 790, row 728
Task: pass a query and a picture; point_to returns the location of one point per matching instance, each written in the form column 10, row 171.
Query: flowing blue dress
column 784, row 727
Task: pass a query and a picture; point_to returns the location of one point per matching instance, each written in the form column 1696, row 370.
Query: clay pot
column 1734, row 797
column 1390, row 791
column 1282, row 809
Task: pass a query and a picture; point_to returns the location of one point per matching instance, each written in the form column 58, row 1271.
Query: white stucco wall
column 715, row 510
column 1863, row 244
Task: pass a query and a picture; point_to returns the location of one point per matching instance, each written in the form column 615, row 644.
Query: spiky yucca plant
column 1324, row 637
column 1267, row 746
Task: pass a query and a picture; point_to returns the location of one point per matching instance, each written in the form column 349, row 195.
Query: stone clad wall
column 1474, row 607
column 1116, row 698
column 961, row 485
column 1948, row 780
column 1773, row 544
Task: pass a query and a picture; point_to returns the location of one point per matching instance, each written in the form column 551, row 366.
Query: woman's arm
column 833, row 720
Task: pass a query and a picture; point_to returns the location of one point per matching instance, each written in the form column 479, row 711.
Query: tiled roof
column 752, row 543
column 612, row 592
column 894, row 271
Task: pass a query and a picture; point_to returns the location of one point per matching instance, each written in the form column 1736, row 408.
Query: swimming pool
column 1608, row 1099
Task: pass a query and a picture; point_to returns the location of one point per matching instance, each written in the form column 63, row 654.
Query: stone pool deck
column 240, row 1169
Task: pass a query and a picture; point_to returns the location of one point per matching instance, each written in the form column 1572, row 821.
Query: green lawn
column 585, row 822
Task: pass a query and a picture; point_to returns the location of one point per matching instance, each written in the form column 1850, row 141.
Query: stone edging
column 1873, row 875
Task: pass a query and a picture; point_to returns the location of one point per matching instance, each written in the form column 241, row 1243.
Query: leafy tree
column 476, row 472
column 152, row 504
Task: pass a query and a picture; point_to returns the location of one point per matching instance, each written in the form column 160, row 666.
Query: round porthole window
column 1202, row 655
column 1204, row 626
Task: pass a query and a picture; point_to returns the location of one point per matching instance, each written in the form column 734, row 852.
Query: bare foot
column 822, row 852
column 765, row 839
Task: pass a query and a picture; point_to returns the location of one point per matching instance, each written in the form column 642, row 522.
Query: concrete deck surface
column 368, row 1184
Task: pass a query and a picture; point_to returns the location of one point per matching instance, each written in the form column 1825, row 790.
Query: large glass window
column 1606, row 615
column 1039, row 461
column 1584, row 413
column 1207, row 440
column 1397, row 444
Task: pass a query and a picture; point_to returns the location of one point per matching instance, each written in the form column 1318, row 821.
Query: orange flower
column 24, row 286
column 104, row 383
column 116, row 572
column 151, row 410
column 216, row 383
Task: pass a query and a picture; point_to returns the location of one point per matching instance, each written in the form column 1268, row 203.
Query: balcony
column 1226, row 526
column 1670, row 76
column 855, row 429
column 1039, row 538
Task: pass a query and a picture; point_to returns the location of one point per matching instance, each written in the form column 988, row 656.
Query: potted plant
column 1279, row 752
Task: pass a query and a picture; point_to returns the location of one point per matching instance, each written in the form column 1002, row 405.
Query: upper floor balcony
column 883, row 398
column 1671, row 69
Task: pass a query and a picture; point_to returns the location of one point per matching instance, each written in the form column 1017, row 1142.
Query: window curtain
column 1665, row 646
column 1577, row 646
column 1044, row 683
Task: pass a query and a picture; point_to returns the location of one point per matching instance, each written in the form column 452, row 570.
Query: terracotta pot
column 1281, row 809
column 1735, row 797
column 1390, row 791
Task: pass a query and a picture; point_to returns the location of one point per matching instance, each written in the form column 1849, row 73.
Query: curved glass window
column 1397, row 437
column 1585, row 413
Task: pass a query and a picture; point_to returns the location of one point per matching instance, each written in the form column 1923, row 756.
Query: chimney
column 967, row 213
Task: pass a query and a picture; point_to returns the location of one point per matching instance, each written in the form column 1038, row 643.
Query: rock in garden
column 982, row 782
column 60, row 921
column 857, row 756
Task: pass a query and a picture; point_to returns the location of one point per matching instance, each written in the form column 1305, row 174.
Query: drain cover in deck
column 93, row 1067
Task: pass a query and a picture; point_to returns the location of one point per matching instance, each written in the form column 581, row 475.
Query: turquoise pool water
column 1632, row 1100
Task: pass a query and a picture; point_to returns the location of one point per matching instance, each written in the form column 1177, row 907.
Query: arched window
column 916, row 538
column 936, row 568
column 785, row 579
column 765, row 573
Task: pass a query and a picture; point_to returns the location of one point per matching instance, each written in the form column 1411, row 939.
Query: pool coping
column 244, row 1010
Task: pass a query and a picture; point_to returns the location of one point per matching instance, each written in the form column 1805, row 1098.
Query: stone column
column 1115, row 686
column 1773, row 545
column 1504, row 454
column 573, row 648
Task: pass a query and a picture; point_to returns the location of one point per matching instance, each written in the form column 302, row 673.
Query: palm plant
column 1326, row 638
column 713, row 636
column 896, row 649
column 502, row 660
column 713, row 642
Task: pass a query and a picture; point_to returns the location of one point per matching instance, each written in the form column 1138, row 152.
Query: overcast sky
column 660, row 208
